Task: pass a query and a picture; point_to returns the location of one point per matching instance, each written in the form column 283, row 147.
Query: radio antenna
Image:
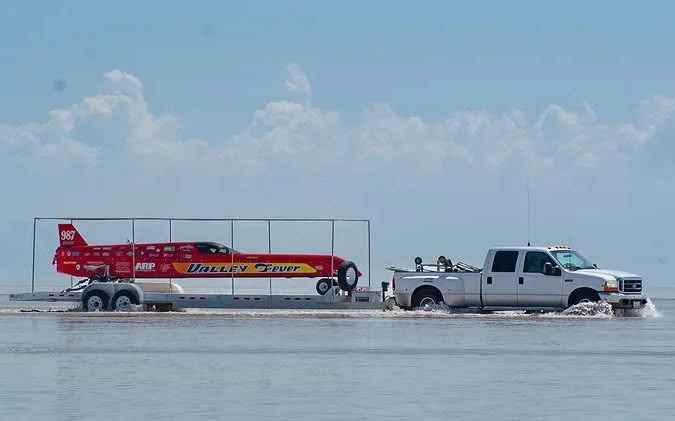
column 528, row 210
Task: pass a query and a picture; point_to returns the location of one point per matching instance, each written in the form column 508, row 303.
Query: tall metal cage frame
column 232, row 221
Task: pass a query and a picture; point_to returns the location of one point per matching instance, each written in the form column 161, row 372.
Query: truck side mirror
column 548, row 268
column 551, row 270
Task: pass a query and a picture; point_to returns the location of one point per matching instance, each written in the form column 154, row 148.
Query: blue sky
column 427, row 118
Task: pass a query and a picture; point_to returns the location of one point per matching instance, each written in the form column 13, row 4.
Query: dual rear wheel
column 426, row 296
column 98, row 300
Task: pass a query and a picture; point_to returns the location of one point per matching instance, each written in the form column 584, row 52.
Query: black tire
column 426, row 296
column 348, row 276
column 583, row 295
column 96, row 293
column 163, row 308
column 324, row 285
column 130, row 295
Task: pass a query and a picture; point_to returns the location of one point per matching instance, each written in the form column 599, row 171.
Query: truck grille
column 631, row 285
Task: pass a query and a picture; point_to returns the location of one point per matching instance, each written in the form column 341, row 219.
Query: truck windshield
column 572, row 260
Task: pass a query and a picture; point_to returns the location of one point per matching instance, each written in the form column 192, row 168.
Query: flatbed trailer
column 357, row 301
column 113, row 294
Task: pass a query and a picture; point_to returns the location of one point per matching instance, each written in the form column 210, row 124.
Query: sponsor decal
column 187, row 256
column 165, row 267
column 77, row 267
column 145, row 266
column 87, row 254
column 118, row 254
column 169, row 248
column 106, row 253
column 167, row 255
column 199, row 268
column 185, row 248
column 69, row 263
column 123, row 267
column 68, row 253
column 97, row 253
column 153, row 254
column 76, row 253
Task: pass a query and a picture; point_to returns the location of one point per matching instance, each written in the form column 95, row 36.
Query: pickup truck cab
column 517, row 277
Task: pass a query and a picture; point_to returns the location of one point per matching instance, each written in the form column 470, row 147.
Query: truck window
column 505, row 261
column 535, row 260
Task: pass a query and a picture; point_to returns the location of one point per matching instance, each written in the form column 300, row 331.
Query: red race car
column 193, row 260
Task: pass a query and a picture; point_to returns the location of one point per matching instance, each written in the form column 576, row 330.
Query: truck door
column 535, row 288
column 500, row 283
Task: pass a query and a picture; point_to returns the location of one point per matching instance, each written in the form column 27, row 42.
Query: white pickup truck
column 517, row 277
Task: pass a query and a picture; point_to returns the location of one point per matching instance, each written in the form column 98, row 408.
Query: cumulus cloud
column 296, row 133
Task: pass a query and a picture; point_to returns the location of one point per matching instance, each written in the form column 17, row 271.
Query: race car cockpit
column 213, row 248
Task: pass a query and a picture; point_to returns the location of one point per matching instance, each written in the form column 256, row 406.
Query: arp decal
column 145, row 266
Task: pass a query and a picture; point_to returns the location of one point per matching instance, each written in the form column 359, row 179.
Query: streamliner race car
column 194, row 260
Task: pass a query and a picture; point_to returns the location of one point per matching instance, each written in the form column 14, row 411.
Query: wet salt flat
column 302, row 364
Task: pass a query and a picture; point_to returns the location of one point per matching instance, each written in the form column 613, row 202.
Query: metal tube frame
column 231, row 220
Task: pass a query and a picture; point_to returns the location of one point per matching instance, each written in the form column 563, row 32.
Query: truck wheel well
column 425, row 290
column 581, row 293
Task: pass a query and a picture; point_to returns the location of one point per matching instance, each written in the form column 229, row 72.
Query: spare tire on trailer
column 348, row 276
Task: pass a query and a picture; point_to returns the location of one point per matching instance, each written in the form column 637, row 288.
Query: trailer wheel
column 348, row 276
column 123, row 300
column 324, row 285
column 426, row 296
column 95, row 300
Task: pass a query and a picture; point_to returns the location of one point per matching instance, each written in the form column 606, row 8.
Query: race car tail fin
column 69, row 236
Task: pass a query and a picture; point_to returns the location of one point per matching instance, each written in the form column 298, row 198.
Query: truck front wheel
column 583, row 295
column 426, row 296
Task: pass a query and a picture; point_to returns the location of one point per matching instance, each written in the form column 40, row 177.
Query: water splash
column 649, row 311
column 600, row 309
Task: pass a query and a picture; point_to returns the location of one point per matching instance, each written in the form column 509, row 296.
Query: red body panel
column 182, row 260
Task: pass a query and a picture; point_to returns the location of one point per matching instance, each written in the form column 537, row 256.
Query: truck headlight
column 611, row 286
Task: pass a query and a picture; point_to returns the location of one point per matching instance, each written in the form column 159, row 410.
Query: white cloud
column 297, row 83
column 289, row 133
column 657, row 109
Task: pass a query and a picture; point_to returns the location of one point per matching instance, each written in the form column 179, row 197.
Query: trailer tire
column 583, row 295
column 95, row 300
column 426, row 295
column 123, row 300
column 348, row 276
column 324, row 285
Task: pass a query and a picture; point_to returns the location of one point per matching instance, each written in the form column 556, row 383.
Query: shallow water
column 304, row 364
